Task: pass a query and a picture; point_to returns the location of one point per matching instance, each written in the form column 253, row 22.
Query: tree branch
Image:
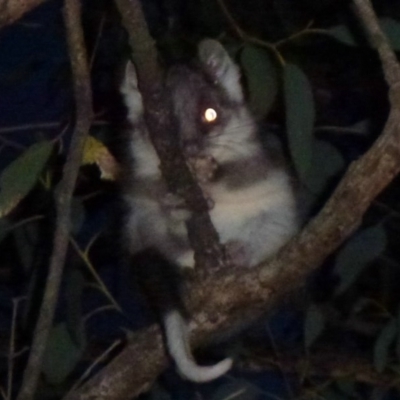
column 327, row 362
column 13, row 10
column 84, row 113
column 229, row 298
column 202, row 235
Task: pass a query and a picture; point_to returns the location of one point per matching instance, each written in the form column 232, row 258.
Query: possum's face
column 208, row 104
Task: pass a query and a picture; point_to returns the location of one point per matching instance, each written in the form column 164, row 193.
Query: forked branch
column 229, row 297
column 84, row 115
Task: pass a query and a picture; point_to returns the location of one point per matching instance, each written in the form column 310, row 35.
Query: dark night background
column 355, row 320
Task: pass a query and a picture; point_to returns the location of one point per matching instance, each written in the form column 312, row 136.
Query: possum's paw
column 175, row 207
column 203, row 167
column 236, row 254
column 186, row 260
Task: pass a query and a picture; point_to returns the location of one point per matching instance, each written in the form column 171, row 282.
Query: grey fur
column 254, row 209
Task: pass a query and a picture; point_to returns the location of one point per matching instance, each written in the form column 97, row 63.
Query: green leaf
column 26, row 238
column 327, row 162
column 357, row 253
column 19, row 177
column 300, row 115
column 262, row 79
column 391, row 28
column 314, row 324
column 61, row 356
column 343, row 34
column 382, row 345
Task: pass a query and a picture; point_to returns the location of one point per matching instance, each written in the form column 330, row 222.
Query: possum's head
column 208, row 103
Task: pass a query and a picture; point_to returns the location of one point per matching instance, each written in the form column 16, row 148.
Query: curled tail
column 179, row 349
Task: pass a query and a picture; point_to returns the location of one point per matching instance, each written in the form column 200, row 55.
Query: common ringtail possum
column 252, row 203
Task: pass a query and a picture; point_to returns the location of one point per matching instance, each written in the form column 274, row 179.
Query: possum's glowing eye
column 210, row 115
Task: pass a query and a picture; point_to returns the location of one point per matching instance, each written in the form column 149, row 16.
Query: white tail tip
column 179, row 349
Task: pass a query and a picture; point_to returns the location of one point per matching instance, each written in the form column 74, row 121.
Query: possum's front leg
column 236, row 253
column 203, row 167
column 174, row 206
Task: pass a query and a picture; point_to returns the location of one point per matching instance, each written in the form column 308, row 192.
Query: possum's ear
column 129, row 80
column 221, row 68
column 131, row 94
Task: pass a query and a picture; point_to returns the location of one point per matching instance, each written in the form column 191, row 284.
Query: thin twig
column 28, row 127
column 273, row 47
column 12, row 10
column 277, row 355
column 24, row 222
column 95, row 363
column 99, row 310
column 324, row 362
column 11, row 143
column 265, row 394
column 84, row 116
column 11, row 352
column 21, row 352
column 391, row 68
column 98, row 37
column 51, row 125
column 100, row 284
column 239, row 31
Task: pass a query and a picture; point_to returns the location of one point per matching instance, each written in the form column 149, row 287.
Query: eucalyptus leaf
column 61, row 356
column 262, row 79
column 357, row 253
column 343, row 34
column 383, row 343
column 362, row 127
column 327, row 162
column 300, row 116
column 314, row 324
column 26, row 238
column 19, row 177
column 391, row 28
